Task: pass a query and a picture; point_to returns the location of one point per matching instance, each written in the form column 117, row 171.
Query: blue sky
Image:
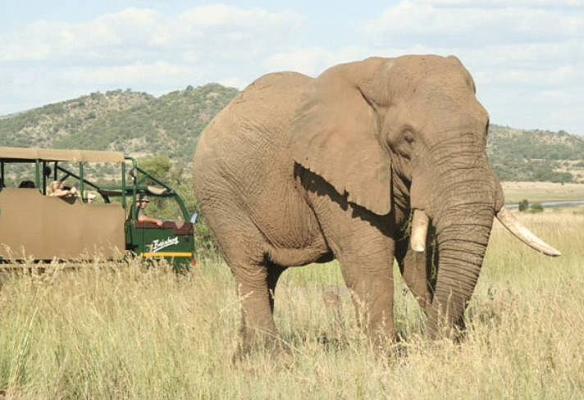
column 527, row 56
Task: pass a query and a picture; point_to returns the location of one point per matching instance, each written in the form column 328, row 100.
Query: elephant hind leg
column 244, row 250
column 274, row 273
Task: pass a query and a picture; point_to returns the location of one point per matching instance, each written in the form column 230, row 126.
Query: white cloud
column 52, row 41
column 146, row 33
column 519, row 52
column 506, row 3
column 234, row 82
column 140, row 74
column 527, row 56
column 413, row 21
column 313, row 60
column 221, row 15
column 142, row 49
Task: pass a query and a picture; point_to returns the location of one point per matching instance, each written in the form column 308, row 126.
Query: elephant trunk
column 461, row 196
column 461, row 244
column 462, row 213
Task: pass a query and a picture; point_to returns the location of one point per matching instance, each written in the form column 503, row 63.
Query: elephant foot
column 332, row 344
column 258, row 345
column 252, row 361
column 455, row 332
column 388, row 348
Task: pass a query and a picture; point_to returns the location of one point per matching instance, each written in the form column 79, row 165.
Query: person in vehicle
column 90, row 196
column 26, row 185
column 59, row 189
column 143, row 202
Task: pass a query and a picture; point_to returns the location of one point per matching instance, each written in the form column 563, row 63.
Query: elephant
column 372, row 161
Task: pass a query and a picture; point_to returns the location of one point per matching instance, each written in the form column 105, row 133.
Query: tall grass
column 129, row 332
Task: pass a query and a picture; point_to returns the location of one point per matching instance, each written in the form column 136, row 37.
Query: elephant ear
column 335, row 136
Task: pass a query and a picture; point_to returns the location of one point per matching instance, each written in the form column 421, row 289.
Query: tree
column 157, row 166
column 523, row 205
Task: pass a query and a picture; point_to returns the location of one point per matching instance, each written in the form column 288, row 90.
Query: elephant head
column 411, row 125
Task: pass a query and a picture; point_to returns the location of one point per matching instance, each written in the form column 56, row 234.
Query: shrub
column 536, row 208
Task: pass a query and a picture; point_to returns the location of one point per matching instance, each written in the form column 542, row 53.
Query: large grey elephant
column 297, row 170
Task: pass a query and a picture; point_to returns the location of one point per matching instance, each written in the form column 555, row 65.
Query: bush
column 536, row 208
column 523, row 205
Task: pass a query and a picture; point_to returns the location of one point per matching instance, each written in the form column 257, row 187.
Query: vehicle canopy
column 15, row 154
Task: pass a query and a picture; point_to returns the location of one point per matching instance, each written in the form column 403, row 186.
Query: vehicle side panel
column 172, row 242
column 42, row 227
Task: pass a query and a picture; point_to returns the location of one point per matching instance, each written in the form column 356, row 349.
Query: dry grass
column 149, row 334
column 542, row 191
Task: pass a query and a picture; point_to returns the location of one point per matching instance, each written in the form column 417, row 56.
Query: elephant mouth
column 421, row 222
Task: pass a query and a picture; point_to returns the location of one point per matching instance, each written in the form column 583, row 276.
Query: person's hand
column 71, row 192
column 159, row 223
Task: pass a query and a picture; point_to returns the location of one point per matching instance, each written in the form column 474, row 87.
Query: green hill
column 536, row 155
column 141, row 125
column 135, row 123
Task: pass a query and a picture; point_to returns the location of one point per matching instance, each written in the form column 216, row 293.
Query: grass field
column 542, row 191
column 132, row 333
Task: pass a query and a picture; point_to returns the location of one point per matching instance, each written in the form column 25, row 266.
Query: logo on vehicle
column 158, row 245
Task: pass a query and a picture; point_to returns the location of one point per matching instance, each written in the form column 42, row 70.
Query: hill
column 536, row 155
column 135, row 123
column 141, row 124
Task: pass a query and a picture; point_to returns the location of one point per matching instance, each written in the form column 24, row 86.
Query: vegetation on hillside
column 542, row 156
column 46, row 126
column 135, row 123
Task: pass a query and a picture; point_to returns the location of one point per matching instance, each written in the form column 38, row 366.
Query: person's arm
column 59, row 193
column 145, row 218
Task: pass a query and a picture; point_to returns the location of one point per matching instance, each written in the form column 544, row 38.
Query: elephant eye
column 409, row 136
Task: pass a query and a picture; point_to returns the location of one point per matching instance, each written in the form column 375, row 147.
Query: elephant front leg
column 365, row 250
column 364, row 244
column 416, row 269
column 370, row 281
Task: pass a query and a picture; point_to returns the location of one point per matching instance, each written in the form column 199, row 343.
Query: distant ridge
column 140, row 124
column 12, row 115
column 134, row 122
column 536, row 155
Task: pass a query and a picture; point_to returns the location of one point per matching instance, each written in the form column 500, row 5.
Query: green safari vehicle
column 60, row 212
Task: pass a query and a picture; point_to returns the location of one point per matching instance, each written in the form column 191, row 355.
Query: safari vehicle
column 96, row 220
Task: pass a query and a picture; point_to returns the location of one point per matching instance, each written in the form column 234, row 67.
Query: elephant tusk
column 420, row 223
column 509, row 221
